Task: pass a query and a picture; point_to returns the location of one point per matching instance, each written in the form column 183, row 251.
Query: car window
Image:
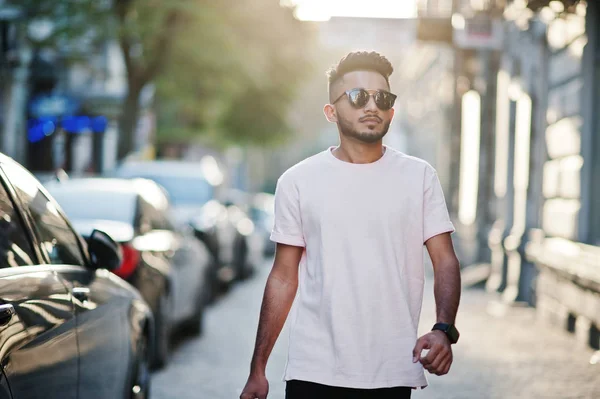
column 56, row 237
column 15, row 246
column 156, row 218
column 183, row 190
column 91, row 204
column 161, row 221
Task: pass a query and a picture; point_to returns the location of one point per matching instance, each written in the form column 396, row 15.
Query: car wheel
column 214, row 287
column 163, row 332
column 140, row 389
column 244, row 269
column 195, row 325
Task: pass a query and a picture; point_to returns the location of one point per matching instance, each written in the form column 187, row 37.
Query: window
column 156, row 218
column 184, row 190
column 15, row 248
column 100, row 204
column 154, row 206
column 56, row 238
column 590, row 190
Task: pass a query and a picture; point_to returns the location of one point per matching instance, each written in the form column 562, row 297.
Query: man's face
column 368, row 124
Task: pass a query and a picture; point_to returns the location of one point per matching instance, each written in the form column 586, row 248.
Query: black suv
column 69, row 328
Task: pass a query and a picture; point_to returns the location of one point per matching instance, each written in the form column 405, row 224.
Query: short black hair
column 360, row 61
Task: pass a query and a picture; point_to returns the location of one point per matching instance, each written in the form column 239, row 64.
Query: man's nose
column 371, row 106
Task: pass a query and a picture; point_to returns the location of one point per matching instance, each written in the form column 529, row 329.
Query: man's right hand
column 257, row 387
column 280, row 291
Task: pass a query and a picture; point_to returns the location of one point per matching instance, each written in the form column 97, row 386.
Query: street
column 142, row 144
column 503, row 353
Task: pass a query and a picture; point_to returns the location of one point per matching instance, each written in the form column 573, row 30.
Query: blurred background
column 500, row 96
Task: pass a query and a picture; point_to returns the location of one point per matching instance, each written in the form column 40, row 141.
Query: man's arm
column 279, row 294
column 446, row 270
column 447, row 286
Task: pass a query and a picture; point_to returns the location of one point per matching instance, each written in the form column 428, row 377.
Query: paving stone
column 504, row 352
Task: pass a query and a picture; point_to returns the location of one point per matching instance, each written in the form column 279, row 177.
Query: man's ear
column 330, row 113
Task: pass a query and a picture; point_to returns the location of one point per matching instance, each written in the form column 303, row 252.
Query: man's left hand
column 439, row 358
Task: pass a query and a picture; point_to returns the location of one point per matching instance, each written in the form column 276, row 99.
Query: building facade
column 538, row 167
column 74, row 109
column 61, row 101
column 564, row 248
column 467, row 38
column 524, row 150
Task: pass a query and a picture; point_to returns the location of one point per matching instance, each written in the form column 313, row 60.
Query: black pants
column 309, row 390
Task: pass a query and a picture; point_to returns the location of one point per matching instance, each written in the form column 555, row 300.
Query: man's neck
column 359, row 152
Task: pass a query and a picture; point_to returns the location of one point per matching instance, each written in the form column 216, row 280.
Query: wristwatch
column 448, row 329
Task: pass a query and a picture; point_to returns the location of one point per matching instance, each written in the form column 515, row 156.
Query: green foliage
column 224, row 69
column 234, row 73
column 77, row 25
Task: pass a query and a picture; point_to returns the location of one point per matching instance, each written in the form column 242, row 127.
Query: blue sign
column 99, row 124
column 39, row 128
column 75, row 124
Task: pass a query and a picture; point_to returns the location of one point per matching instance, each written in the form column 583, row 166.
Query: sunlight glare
column 323, row 10
column 469, row 158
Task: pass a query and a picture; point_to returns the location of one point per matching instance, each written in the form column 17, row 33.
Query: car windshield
column 184, row 190
column 97, row 205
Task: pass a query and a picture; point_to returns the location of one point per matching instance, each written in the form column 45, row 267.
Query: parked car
column 69, row 328
column 239, row 204
column 169, row 266
column 193, row 189
column 262, row 213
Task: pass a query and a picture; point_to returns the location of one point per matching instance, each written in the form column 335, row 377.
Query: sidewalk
column 504, row 352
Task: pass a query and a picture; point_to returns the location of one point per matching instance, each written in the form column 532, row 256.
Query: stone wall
column 568, row 284
column 562, row 172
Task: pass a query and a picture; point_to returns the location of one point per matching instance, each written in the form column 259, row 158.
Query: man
column 350, row 227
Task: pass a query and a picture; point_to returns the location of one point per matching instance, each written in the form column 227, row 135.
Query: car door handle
column 81, row 293
column 6, row 313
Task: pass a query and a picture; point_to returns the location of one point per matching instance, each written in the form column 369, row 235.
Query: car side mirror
column 105, row 253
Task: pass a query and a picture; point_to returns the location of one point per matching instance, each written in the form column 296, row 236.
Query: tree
column 237, row 86
column 218, row 66
column 146, row 32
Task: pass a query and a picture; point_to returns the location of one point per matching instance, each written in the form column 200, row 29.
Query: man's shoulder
column 411, row 160
column 304, row 167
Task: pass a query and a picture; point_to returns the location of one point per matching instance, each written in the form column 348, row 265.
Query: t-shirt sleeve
column 436, row 219
column 287, row 228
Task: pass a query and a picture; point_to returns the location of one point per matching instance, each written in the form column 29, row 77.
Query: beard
column 367, row 136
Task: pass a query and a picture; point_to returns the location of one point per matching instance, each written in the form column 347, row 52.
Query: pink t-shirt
column 354, row 319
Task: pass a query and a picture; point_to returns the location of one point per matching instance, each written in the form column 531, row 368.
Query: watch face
column 450, row 331
column 453, row 334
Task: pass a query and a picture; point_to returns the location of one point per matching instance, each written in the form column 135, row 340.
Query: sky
column 322, row 10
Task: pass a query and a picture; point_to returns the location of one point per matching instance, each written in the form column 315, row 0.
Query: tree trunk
column 129, row 120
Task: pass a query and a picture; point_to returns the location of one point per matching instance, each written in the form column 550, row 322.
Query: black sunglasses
column 360, row 97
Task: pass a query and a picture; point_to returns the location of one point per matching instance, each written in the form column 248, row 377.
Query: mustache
column 371, row 117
